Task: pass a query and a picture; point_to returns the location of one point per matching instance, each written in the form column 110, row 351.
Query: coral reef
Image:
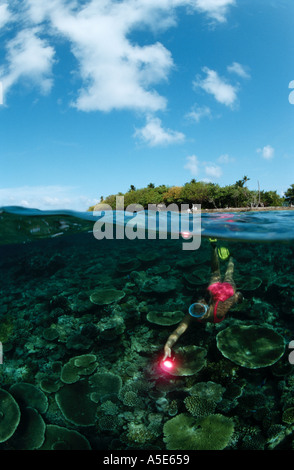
column 10, row 415
column 251, row 346
column 189, row 360
column 212, row 432
column 78, row 366
column 199, row 406
column 106, row 296
column 165, row 318
column 83, row 344
column 59, row 438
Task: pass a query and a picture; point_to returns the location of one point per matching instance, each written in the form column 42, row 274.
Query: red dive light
column 186, row 235
column 167, row 364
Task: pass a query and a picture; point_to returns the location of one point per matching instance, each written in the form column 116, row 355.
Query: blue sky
column 97, row 95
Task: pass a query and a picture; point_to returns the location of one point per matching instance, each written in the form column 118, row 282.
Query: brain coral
column 251, row 346
column 183, row 432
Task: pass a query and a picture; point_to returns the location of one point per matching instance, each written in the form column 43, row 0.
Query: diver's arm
column 173, row 338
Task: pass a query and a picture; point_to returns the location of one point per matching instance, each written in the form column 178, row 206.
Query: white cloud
column 197, row 167
column 291, row 95
column 223, row 92
column 154, row 134
column 198, row 112
column 214, row 171
column 46, row 198
column 238, row 69
column 267, row 152
column 116, row 72
column 29, row 58
column 225, row 158
column 5, row 15
column 216, row 9
column 122, row 82
column 192, row 165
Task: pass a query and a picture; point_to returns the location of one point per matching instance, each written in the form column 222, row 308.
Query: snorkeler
column 221, row 297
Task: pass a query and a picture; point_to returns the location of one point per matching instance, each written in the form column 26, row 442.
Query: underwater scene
column 83, row 324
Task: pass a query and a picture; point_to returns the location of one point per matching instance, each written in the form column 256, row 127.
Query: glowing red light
column 186, row 234
column 167, row 364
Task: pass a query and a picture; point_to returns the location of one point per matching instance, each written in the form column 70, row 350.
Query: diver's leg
column 230, row 272
column 215, row 268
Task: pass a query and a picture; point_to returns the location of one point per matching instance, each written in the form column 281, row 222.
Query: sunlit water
column 94, row 370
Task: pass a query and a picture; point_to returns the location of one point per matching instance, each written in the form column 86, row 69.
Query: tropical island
column 211, row 196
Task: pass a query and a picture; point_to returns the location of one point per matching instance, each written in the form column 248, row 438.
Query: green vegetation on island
column 209, row 195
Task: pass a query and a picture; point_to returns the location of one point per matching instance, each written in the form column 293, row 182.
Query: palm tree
column 245, row 179
column 241, row 183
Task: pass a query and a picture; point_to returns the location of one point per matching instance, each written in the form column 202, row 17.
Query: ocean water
column 83, row 323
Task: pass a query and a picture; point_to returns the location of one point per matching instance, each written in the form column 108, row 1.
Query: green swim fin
column 223, row 253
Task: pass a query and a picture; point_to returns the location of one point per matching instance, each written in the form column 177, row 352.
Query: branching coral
column 139, row 433
column 199, row 407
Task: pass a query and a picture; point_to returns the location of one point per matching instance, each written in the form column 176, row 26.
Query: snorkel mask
column 198, row 310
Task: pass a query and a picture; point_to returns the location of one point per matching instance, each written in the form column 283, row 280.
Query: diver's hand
column 167, row 352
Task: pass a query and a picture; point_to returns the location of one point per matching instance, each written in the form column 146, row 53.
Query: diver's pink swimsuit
column 220, row 291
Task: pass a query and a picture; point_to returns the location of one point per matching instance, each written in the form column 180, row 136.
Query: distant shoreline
column 250, row 209
column 227, row 209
